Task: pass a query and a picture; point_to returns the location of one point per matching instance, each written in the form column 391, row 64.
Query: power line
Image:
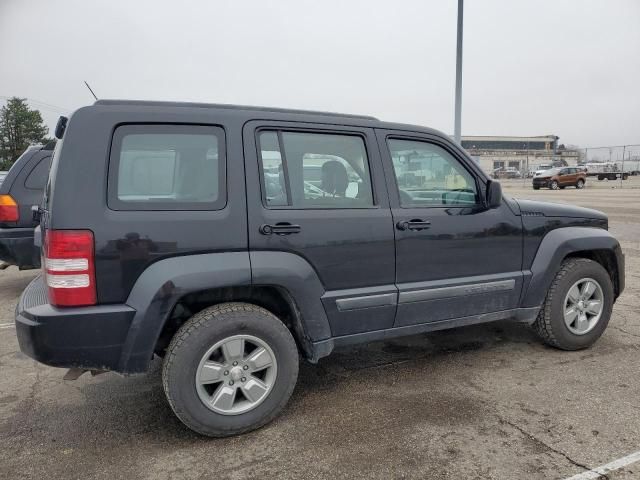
column 45, row 105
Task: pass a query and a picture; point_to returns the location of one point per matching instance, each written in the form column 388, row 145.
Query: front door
column 568, row 176
column 455, row 257
column 317, row 192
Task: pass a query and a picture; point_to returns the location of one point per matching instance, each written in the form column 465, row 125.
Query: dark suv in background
column 22, row 189
column 232, row 240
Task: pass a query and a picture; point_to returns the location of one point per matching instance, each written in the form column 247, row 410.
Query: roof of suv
column 303, row 115
column 147, row 103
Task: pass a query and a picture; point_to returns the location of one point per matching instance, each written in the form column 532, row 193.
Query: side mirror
column 61, row 126
column 494, row 194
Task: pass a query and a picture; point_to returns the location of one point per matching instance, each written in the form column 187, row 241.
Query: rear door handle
column 280, row 228
column 414, row 224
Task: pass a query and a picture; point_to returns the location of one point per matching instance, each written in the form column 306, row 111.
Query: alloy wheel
column 583, row 306
column 236, row 374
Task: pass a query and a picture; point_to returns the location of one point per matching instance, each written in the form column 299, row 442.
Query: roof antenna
column 94, row 95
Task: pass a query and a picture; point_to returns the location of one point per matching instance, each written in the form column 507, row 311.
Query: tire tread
column 191, row 327
column 542, row 324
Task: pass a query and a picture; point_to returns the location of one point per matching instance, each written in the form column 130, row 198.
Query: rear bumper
column 83, row 337
column 17, row 248
column 540, row 183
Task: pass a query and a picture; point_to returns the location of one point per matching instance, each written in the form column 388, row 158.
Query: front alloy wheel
column 554, row 185
column 583, row 306
column 578, row 305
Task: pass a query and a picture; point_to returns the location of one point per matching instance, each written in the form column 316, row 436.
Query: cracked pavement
column 484, row 402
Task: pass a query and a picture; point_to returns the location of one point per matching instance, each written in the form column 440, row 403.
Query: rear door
column 317, row 191
column 454, row 257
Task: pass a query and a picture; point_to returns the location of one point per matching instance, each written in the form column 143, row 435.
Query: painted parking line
column 7, row 325
column 608, row 467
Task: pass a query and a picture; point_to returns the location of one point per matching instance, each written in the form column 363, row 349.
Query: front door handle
column 414, row 224
column 280, row 228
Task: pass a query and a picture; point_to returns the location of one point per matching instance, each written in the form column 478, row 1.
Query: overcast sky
column 531, row 67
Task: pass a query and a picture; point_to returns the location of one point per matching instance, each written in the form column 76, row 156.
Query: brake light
column 8, row 209
column 69, row 268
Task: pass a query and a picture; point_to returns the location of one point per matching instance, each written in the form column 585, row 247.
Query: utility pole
column 458, row 107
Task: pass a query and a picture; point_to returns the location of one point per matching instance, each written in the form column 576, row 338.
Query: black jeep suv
column 20, row 191
column 232, row 240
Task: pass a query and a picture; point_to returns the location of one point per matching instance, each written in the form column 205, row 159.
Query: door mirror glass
column 494, row 194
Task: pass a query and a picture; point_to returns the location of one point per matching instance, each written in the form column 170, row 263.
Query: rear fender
column 159, row 288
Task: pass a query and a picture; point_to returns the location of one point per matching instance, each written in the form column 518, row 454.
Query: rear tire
column 554, row 326
column 242, row 396
column 536, row 188
column 554, row 185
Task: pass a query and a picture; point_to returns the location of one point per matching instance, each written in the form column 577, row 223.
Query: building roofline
column 508, row 138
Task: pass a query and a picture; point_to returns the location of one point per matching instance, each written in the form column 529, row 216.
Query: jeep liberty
column 233, row 241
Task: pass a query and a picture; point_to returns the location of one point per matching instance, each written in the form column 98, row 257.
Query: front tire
column 554, row 185
column 230, row 369
column 580, row 184
column 578, row 305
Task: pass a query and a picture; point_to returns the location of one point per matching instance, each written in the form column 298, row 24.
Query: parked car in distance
column 21, row 189
column 509, row 172
column 199, row 233
column 542, row 168
column 559, row 178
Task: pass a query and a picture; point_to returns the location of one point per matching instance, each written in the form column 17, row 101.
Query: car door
column 455, row 257
column 562, row 176
column 317, row 192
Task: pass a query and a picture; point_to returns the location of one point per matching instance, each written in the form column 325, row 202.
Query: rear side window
column 37, row 179
column 314, row 170
column 167, row 167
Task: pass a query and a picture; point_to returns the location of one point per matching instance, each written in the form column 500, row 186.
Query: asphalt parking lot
column 488, row 401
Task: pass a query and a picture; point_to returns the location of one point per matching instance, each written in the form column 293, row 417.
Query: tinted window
column 429, row 175
column 37, row 179
column 167, row 167
column 315, row 170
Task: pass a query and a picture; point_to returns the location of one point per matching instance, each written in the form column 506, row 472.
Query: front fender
column 159, row 288
column 555, row 247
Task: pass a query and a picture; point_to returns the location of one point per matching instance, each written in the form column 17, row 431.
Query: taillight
column 8, row 209
column 69, row 268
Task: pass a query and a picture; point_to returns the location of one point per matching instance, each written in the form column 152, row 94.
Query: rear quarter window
column 167, row 167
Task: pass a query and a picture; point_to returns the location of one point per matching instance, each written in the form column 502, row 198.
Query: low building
column 521, row 153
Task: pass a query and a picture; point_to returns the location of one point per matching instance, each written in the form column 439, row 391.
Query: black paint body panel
column 350, row 274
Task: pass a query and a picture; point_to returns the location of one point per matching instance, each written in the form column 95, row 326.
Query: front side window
column 428, row 175
column 314, row 170
column 167, row 167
